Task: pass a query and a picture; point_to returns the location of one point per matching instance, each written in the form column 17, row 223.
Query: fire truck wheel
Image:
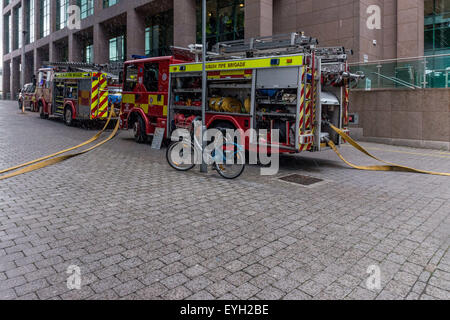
column 139, row 131
column 68, row 116
column 41, row 111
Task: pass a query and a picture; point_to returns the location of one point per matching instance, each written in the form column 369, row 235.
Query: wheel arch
column 133, row 116
column 218, row 119
column 70, row 104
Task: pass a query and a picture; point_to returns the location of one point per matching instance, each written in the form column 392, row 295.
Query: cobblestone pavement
column 140, row 230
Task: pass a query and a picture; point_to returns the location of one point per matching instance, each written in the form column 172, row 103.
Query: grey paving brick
column 202, row 295
column 178, row 293
column 195, row 271
column 31, row 287
column 105, row 284
column 245, row 291
column 270, row 293
column 270, row 238
column 174, row 281
column 128, row 287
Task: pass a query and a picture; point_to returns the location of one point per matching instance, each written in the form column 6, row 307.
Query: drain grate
column 300, row 179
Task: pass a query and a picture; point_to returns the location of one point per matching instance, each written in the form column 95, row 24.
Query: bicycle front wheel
column 180, row 156
column 233, row 163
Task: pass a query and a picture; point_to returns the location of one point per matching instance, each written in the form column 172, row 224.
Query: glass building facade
column 225, row 20
column 62, row 7
column 29, row 22
column 159, row 34
column 87, row 8
column 437, row 27
column 44, row 18
column 117, row 49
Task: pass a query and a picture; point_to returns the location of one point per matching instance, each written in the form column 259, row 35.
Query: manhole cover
column 300, row 179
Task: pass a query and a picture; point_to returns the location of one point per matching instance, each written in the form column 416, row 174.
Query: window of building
column 131, row 78
column 117, row 49
column 62, row 14
column 44, row 18
column 88, row 53
column 6, row 33
column 18, row 34
column 437, row 26
column 109, row 3
column 29, row 23
column 151, row 75
column 225, row 20
column 159, row 34
column 87, row 8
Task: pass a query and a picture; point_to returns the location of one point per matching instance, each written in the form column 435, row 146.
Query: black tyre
column 175, row 156
column 235, row 169
column 140, row 136
column 68, row 116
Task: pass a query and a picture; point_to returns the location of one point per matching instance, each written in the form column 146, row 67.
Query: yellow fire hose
column 388, row 167
column 52, row 159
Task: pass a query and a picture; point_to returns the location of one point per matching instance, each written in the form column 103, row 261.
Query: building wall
column 340, row 23
column 417, row 118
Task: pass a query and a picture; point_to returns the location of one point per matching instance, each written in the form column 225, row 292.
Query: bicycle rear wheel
column 177, row 158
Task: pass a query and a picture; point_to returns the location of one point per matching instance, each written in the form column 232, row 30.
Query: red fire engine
column 72, row 91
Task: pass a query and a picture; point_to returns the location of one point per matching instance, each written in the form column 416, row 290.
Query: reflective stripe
column 94, row 99
column 128, row 98
column 73, row 75
column 296, row 61
column 103, row 109
column 153, row 100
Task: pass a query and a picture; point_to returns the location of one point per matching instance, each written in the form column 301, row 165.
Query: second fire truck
column 73, row 91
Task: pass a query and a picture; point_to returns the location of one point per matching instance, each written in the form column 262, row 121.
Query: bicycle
column 229, row 161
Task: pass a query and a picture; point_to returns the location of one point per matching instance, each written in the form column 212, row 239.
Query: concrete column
column 367, row 36
column 390, row 29
column 185, row 22
column 258, row 18
column 98, row 6
column 38, row 59
column 6, row 87
column 15, row 78
column 53, row 13
column 101, row 44
column 75, row 48
column 53, row 52
column 410, row 28
column 135, row 33
column 28, row 68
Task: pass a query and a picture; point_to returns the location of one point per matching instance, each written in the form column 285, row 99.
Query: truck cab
column 145, row 95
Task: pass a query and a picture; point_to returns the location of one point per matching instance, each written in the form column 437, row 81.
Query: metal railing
column 405, row 73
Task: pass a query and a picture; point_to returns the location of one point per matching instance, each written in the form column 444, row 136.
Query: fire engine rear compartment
column 266, row 98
